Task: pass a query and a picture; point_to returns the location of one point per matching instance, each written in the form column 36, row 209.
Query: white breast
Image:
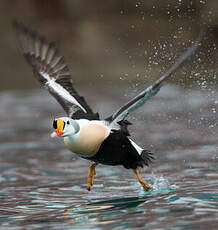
column 89, row 139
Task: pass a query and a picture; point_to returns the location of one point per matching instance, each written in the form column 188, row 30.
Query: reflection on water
column 43, row 186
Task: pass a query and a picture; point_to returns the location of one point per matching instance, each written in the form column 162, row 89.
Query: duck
column 104, row 141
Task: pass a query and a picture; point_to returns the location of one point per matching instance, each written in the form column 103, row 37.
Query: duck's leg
column 91, row 175
column 144, row 184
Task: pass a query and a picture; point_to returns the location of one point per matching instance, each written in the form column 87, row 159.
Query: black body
column 118, row 150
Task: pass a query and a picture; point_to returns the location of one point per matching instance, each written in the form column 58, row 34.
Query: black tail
column 147, row 156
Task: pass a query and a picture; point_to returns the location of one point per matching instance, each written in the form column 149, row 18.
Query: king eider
column 101, row 141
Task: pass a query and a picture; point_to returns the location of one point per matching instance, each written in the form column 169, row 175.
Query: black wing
column 146, row 94
column 52, row 72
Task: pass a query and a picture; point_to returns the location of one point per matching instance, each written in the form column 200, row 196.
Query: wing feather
column 52, row 72
column 152, row 90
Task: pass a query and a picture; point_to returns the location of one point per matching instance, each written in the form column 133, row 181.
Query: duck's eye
column 68, row 122
column 55, row 124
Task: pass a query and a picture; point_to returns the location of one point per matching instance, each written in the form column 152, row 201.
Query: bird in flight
column 101, row 141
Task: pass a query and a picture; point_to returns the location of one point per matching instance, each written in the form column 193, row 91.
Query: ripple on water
column 43, row 187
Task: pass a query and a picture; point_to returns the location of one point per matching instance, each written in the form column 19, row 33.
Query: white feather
column 138, row 148
column 60, row 90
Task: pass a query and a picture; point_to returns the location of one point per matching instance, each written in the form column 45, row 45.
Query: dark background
column 122, row 41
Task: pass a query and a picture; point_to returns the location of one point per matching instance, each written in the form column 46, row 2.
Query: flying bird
column 101, row 141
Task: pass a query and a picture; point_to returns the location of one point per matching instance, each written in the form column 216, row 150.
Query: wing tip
column 20, row 28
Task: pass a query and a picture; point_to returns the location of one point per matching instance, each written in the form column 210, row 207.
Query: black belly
column 118, row 150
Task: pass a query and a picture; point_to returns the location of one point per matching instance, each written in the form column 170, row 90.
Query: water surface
column 43, row 185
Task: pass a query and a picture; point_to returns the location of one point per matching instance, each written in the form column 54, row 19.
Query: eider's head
column 64, row 127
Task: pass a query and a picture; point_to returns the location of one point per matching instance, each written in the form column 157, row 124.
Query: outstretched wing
column 52, row 72
column 152, row 90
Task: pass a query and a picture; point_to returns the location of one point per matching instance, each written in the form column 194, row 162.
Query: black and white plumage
column 100, row 141
column 52, row 72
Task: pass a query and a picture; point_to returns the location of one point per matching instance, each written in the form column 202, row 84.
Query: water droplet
column 214, row 110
